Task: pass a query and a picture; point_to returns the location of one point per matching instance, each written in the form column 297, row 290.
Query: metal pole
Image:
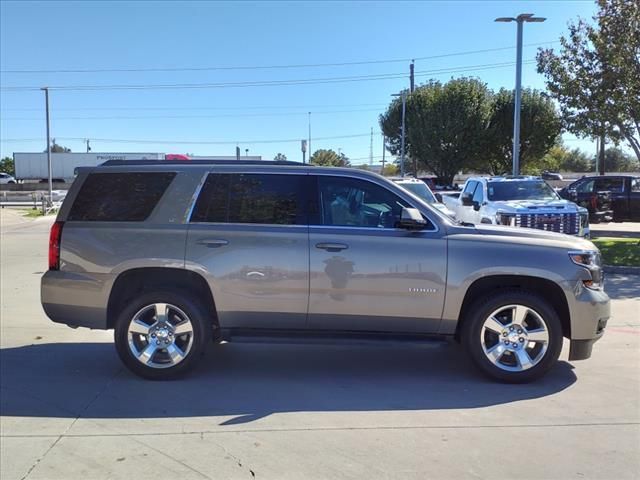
column 384, row 147
column 309, row 142
column 516, row 113
column 46, row 100
column 404, row 109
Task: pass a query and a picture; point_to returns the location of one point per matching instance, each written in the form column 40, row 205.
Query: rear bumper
column 76, row 299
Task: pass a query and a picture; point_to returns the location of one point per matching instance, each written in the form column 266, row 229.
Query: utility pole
column 404, row 112
column 309, row 144
column 384, row 148
column 411, row 75
column 46, row 100
column 371, row 148
column 520, row 20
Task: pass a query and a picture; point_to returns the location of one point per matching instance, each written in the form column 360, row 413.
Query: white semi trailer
column 34, row 166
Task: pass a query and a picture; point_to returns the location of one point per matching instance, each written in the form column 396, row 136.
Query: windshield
column 524, row 190
column 420, row 190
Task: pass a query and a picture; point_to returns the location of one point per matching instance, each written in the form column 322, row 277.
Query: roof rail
column 119, row 163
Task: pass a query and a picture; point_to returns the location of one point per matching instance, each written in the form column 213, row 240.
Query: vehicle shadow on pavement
column 248, row 382
column 620, row 286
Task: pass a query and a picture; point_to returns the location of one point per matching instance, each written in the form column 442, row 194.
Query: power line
column 183, row 142
column 231, row 115
column 258, row 107
column 307, row 81
column 270, row 67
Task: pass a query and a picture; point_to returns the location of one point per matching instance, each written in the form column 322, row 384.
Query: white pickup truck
column 518, row 201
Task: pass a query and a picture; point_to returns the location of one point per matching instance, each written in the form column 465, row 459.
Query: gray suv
column 173, row 255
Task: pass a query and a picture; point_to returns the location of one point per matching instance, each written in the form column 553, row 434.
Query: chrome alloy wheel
column 514, row 338
column 160, row 335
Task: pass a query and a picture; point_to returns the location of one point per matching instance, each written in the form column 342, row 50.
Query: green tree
column 55, row 148
column 329, row 158
column 280, row 157
column 445, row 125
column 617, row 160
column 595, row 77
column 7, row 166
column 539, row 131
column 576, row 161
column 390, row 169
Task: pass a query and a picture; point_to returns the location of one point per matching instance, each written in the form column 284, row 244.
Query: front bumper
column 590, row 311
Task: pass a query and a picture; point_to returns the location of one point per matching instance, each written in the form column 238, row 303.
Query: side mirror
column 411, row 219
column 476, row 206
column 466, row 199
column 438, row 197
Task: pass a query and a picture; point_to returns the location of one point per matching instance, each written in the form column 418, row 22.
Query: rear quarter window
column 119, row 197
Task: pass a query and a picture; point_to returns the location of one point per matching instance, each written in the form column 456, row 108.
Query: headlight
column 589, row 259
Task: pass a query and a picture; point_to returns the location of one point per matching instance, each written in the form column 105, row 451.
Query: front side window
column 470, row 187
column 119, row 197
column 352, row 202
column 251, row 198
column 585, row 187
column 478, row 195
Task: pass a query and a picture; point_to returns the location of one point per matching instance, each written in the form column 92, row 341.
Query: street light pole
column 46, row 100
column 520, row 20
column 309, row 142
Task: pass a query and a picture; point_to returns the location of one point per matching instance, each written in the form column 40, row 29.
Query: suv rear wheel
column 513, row 336
column 161, row 335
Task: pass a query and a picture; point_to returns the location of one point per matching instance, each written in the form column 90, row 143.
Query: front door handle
column 332, row 247
column 213, row 242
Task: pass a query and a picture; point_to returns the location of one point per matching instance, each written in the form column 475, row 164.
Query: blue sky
column 199, row 35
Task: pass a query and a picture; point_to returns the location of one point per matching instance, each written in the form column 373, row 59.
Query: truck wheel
column 162, row 335
column 513, row 336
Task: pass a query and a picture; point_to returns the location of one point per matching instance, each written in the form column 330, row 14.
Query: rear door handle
column 213, row 242
column 332, row 247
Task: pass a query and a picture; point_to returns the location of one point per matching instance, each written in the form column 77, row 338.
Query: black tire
column 472, row 331
column 201, row 331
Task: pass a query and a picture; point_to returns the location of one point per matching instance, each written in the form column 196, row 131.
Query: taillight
column 54, row 245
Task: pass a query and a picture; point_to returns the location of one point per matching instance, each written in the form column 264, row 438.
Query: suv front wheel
column 513, row 336
column 161, row 335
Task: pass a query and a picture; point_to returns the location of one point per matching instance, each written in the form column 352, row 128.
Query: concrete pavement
column 69, row 410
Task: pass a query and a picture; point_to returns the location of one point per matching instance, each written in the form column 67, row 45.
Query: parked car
column 423, row 192
column 171, row 254
column 607, row 197
column 6, row 178
column 518, row 201
column 546, row 175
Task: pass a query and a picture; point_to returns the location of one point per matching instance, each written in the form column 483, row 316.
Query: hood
column 533, row 206
column 522, row 236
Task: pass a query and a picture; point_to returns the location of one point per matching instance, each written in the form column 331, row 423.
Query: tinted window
column 610, row 184
column 357, row 203
column 119, row 197
column 585, row 187
column 251, row 198
column 520, row 190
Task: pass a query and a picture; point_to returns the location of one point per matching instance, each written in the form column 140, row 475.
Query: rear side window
column 252, row 198
column 119, row 197
column 610, row 184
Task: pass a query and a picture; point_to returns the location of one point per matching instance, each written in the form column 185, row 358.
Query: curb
column 622, row 269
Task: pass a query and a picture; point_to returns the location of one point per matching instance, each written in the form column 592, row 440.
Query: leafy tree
column 560, row 159
column 280, row 157
column 390, row 170
column 329, row 158
column 617, row 160
column 55, row 148
column 445, row 125
column 539, row 131
column 7, row 166
column 576, row 161
column 596, row 75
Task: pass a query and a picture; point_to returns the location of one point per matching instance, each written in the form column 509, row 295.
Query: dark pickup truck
column 615, row 196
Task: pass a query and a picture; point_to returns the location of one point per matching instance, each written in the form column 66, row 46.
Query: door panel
column 365, row 274
column 250, row 239
column 387, row 280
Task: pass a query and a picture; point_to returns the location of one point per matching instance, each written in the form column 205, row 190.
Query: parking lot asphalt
column 69, row 410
